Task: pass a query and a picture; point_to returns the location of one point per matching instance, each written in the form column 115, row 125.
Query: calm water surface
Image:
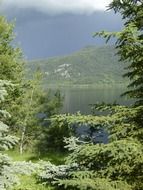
column 80, row 99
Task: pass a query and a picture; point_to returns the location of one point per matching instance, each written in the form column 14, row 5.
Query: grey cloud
column 55, row 7
column 52, row 36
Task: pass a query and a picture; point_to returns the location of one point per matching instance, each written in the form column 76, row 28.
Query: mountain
column 96, row 66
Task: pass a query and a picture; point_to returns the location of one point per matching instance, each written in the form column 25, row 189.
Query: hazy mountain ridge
column 90, row 66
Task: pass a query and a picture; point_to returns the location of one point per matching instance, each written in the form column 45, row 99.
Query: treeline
column 93, row 66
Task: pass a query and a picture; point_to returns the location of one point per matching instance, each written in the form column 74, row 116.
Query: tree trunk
column 25, row 124
column 22, row 140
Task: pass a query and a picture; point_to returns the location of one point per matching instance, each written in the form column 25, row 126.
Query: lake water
column 80, row 99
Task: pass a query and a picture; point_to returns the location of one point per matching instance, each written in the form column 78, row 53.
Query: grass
column 54, row 157
column 30, row 182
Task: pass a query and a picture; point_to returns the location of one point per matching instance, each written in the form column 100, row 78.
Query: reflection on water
column 80, row 99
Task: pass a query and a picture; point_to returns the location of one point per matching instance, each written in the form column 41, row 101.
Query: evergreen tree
column 7, row 177
column 27, row 99
column 118, row 164
column 129, row 44
column 129, row 47
column 11, row 69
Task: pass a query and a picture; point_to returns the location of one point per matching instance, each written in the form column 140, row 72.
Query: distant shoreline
column 84, row 86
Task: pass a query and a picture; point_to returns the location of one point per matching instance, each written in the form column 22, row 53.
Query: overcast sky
column 48, row 28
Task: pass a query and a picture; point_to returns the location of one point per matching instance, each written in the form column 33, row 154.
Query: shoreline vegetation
column 84, row 86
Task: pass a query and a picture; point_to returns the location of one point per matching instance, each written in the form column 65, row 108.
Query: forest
column 91, row 66
column 40, row 148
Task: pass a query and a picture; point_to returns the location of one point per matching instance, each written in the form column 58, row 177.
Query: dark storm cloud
column 41, row 35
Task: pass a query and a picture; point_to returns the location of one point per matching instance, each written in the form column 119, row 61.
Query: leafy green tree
column 27, row 117
column 36, row 105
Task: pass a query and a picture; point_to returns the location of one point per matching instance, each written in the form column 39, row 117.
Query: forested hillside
column 90, row 66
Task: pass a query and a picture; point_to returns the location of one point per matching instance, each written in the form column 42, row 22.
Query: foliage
column 27, row 98
column 48, row 104
column 8, row 168
column 119, row 160
column 118, row 121
column 11, row 69
column 11, row 65
column 129, row 44
column 21, row 104
column 9, row 55
column 36, row 104
column 28, row 122
column 73, row 143
column 117, row 165
column 52, row 137
column 7, row 179
column 91, row 65
column 83, row 183
column 50, row 171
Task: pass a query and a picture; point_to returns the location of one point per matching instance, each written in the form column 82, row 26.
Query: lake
column 79, row 99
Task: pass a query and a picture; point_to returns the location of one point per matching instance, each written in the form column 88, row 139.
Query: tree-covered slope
column 90, row 66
